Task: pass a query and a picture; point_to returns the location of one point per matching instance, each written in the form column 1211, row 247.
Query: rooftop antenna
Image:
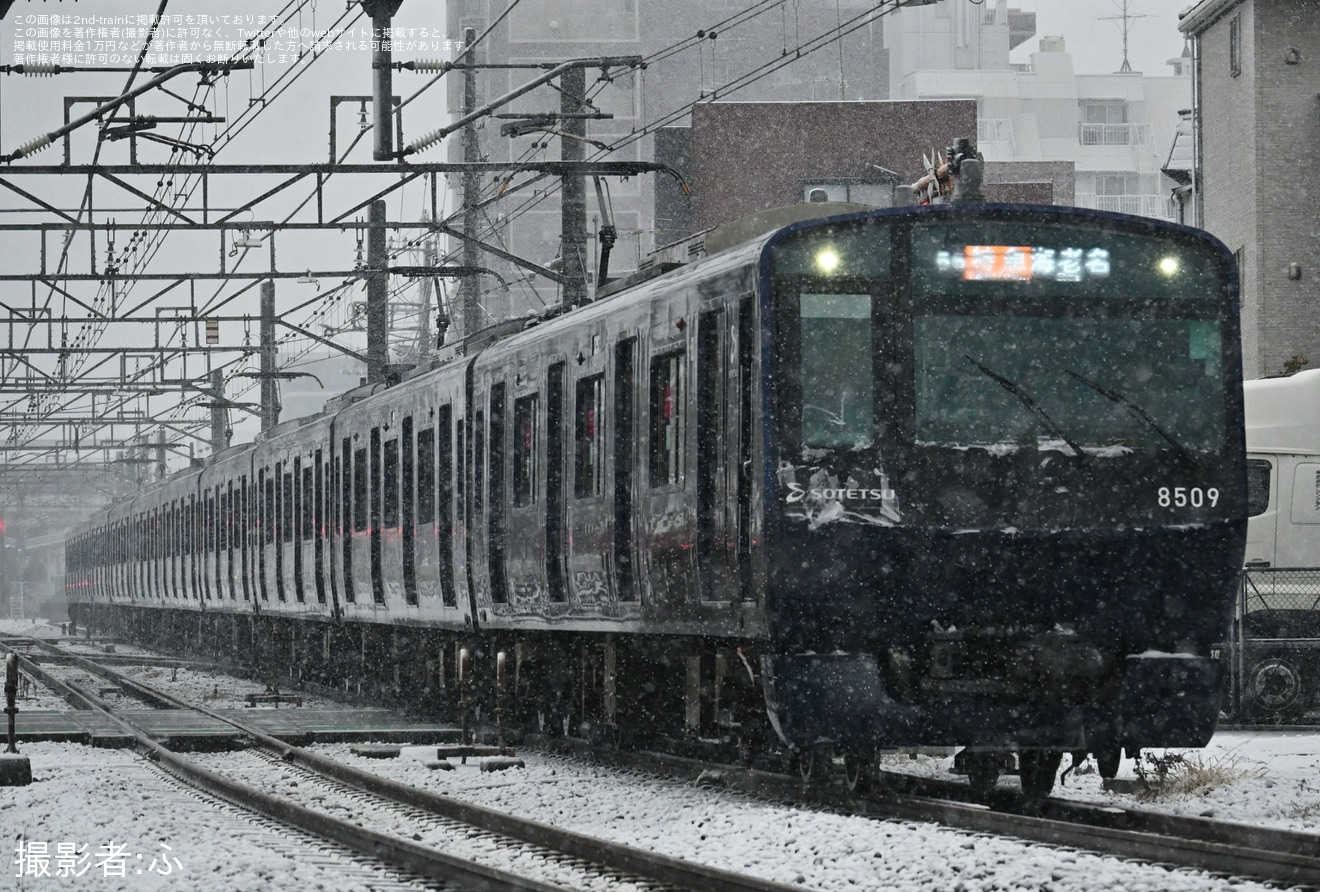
column 1126, row 18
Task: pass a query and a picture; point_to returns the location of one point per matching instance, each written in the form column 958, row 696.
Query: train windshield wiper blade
column 1138, row 413
column 1029, row 401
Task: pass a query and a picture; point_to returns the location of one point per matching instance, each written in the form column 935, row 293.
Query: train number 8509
column 1182, row 496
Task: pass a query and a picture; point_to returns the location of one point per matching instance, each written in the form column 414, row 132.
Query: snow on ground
column 126, row 828
column 96, row 799
column 1261, row 778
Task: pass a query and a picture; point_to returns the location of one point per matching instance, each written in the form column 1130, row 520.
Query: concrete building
column 1256, row 125
column 1114, row 130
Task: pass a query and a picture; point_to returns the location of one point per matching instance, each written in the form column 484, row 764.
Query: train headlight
column 827, row 260
column 1169, row 265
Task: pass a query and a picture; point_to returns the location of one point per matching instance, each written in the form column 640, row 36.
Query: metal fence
column 1275, row 650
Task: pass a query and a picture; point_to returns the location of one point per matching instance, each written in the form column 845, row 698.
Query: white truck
column 1278, row 662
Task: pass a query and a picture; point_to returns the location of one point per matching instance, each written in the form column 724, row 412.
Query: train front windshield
column 1005, row 334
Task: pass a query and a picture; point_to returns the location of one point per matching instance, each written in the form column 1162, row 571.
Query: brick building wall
column 1257, row 185
column 749, row 156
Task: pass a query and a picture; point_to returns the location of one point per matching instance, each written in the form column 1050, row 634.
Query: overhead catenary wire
column 789, row 56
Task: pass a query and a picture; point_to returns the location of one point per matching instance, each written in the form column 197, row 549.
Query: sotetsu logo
column 797, row 493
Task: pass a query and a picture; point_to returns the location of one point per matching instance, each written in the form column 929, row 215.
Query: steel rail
column 654, row 867
column 1221, row 847
column 403, row 854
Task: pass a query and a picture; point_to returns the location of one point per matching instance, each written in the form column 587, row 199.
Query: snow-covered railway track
column 1222, row 847
column 420, row 822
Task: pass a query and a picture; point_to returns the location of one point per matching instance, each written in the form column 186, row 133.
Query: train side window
column 311, row 498
column 524, row 450
column 359, row 490
column 588, row 436
column 268, row 516
column 426, row 476
column 391, row 481
column 1258, row 486
column 286, row 512
column 667, row 420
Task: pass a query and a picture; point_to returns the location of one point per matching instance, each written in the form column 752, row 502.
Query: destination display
column 1023, row 263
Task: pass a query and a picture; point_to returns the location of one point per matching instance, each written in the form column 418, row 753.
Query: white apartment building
column 1116, row 129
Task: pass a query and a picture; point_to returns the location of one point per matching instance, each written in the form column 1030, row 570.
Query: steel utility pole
column 219, row 436
column 382, row 88
column 573, row 188
column 470, row 288
column 378, row 294
column 270, row 398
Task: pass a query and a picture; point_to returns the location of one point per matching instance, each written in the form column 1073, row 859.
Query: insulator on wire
column 44, row 69
column 426, row 141
column 33, row 146
column 429, row 65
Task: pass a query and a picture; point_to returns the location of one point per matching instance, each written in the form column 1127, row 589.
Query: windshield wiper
column 1029, row 401
column 1137, row 412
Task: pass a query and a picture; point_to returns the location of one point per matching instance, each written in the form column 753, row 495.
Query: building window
column 1235, row 45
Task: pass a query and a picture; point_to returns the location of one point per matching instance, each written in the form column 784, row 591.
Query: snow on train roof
column 1283, row 414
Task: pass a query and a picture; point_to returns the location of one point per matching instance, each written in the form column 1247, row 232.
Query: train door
column 346, row 520
column 496, row 522
column 196, row 544
column 296, row 510
column 270, row 535
column 245, row 535
column 589, row 546
column 391, row 540
column 228, row 527
column 449, row 484
column 408, row 510
column 525, row 525
column 320, row 531
column 370, row 490
column 281, row 506
column 309, row 536
column 334, row 526
column 210, row 574
column 555, row 476
column 748, row 378
column 717, row 566
column 426, row 576
column 625, row 437
column 174, row 551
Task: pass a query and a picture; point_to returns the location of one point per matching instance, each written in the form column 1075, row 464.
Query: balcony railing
column 1158, row 206
column 1114, row 134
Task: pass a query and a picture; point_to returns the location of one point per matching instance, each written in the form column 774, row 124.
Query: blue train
column 966, row 475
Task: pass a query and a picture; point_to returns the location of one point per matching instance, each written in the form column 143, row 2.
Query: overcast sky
column 1096, row 41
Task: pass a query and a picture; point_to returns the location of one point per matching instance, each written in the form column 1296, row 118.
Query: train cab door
column 717, row 455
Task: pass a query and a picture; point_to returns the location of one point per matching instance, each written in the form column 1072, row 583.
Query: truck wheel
column 1275, row 689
